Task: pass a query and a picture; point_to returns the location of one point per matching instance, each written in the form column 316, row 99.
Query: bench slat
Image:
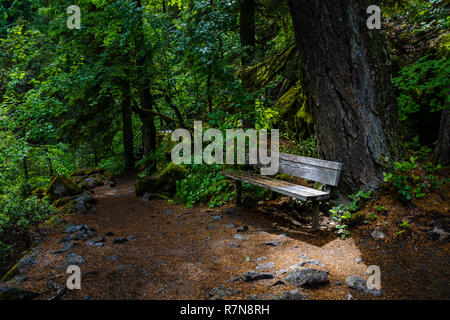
column 310, row 172
column 311, row 161
column 283, row 187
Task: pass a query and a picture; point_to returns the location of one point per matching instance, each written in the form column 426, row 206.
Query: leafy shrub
column 204, row 184
column 408, row 184
column 17, row 215
column 345, row 215
column 425, row 84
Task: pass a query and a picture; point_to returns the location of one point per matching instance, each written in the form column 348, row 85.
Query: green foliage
column 204, row 184
column 345, row 214
column 423, row 85
column 17, row 215
column 408, row 183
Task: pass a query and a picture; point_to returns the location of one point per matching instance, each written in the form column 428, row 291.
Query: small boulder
column 254, row 275
column 62, row 186
column 306, row 276
column 74, row 259
column 265, row 266
column 165, row 182
column 377, row 235
column 293, row 295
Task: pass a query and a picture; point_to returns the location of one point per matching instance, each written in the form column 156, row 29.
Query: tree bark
column 148, row 124
column 349, row 84
column 248, row 43
column 127, row 126
column 442, row 153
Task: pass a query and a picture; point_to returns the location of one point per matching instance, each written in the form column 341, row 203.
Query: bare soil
column 182, row 253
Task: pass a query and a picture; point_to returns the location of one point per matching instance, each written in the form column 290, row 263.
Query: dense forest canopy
column 107, row 94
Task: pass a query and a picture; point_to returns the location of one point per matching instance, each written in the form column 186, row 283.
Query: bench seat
column 280, row 186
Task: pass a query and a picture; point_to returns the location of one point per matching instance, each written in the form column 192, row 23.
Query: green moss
column 39, row 192
column 284, row 177
column 294, row 102
column 60, row 202
column 165, row 182
column 62, row 186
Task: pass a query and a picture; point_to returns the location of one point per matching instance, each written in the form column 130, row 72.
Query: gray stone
column 74, row 259
column 72, row 228
column 265, row 266
column 230, row 226
column 131, row 238
column 306, row 276
column 240, row 237
column 272, row 243
column 66, row 247
column 292, row 295
column 360, row 284
column 216, row 218
column 261, row 259
column 254, row 275
column 242, row 229
column 359, row 260
column 303, row 256
column 234, row 245
column 377, row 235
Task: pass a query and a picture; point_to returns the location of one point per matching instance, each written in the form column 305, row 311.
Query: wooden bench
column 322, row 171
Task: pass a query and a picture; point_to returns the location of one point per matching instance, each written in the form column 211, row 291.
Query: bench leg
column 238, row 192
column 315, row 215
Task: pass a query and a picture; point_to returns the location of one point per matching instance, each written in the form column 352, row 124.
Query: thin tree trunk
column 350, row 88
column 442, row 153
column 148, row 124
column 248, row 42
column 127, row 128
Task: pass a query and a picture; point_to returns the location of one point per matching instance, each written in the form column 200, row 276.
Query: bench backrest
column 323, row 171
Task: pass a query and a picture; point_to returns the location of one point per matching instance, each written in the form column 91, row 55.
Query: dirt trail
column 181, row 253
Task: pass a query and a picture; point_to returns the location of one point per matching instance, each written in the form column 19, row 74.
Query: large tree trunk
column 442, row 154
column 248, row 43
column 349, row 84
column 127, row 127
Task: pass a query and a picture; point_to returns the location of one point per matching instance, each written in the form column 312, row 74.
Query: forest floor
column 166, row 251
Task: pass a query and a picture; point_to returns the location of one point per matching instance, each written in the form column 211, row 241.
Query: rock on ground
column 253, row 275
column 360, row 284
column 9, row 293
column 306, row 276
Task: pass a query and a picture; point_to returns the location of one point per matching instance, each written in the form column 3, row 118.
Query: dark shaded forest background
column 108, row 94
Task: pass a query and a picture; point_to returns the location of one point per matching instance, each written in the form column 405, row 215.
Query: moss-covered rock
column 8, row 293
column 62, row 186
column 87, row 171
column 39, row 192
column 165, row 182
column 23, row 265
column 60, row 202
